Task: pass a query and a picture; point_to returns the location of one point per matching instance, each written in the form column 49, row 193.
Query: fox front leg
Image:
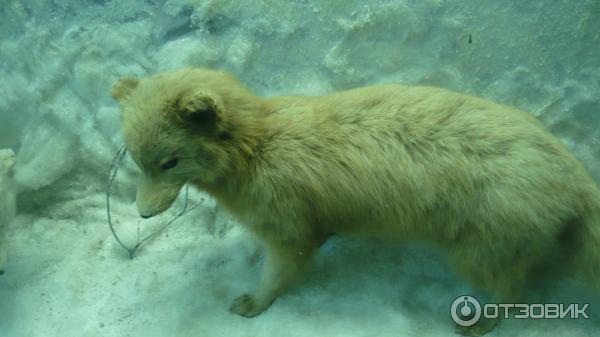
column 283, row 265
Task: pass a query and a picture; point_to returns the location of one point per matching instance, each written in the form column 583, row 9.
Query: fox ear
column 200, row 110
column 123, row 88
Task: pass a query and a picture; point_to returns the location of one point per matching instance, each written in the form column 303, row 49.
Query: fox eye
column 170, row 164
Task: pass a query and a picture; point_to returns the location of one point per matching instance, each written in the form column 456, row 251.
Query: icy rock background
column 67, row 277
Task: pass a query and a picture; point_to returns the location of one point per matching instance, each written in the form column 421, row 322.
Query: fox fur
column 486, row 183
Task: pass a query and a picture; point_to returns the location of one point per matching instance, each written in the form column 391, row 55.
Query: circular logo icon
column 465, row 310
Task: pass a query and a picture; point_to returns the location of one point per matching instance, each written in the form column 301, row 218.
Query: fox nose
column 146, row 216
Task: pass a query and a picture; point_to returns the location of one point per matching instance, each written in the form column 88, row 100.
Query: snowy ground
column 66, row 275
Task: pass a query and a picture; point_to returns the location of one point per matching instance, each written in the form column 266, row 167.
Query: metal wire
column 114, row 168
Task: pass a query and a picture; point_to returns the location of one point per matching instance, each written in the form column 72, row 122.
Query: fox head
column 177, row 129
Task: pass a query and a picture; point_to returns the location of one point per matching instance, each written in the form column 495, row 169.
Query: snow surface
column 66, row 276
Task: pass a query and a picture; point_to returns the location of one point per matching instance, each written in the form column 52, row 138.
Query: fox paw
column 247, row 306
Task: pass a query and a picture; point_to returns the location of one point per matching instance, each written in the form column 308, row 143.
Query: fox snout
column 154, row 197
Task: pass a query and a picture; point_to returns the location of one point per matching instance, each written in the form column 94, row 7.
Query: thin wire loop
column 112, row 174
